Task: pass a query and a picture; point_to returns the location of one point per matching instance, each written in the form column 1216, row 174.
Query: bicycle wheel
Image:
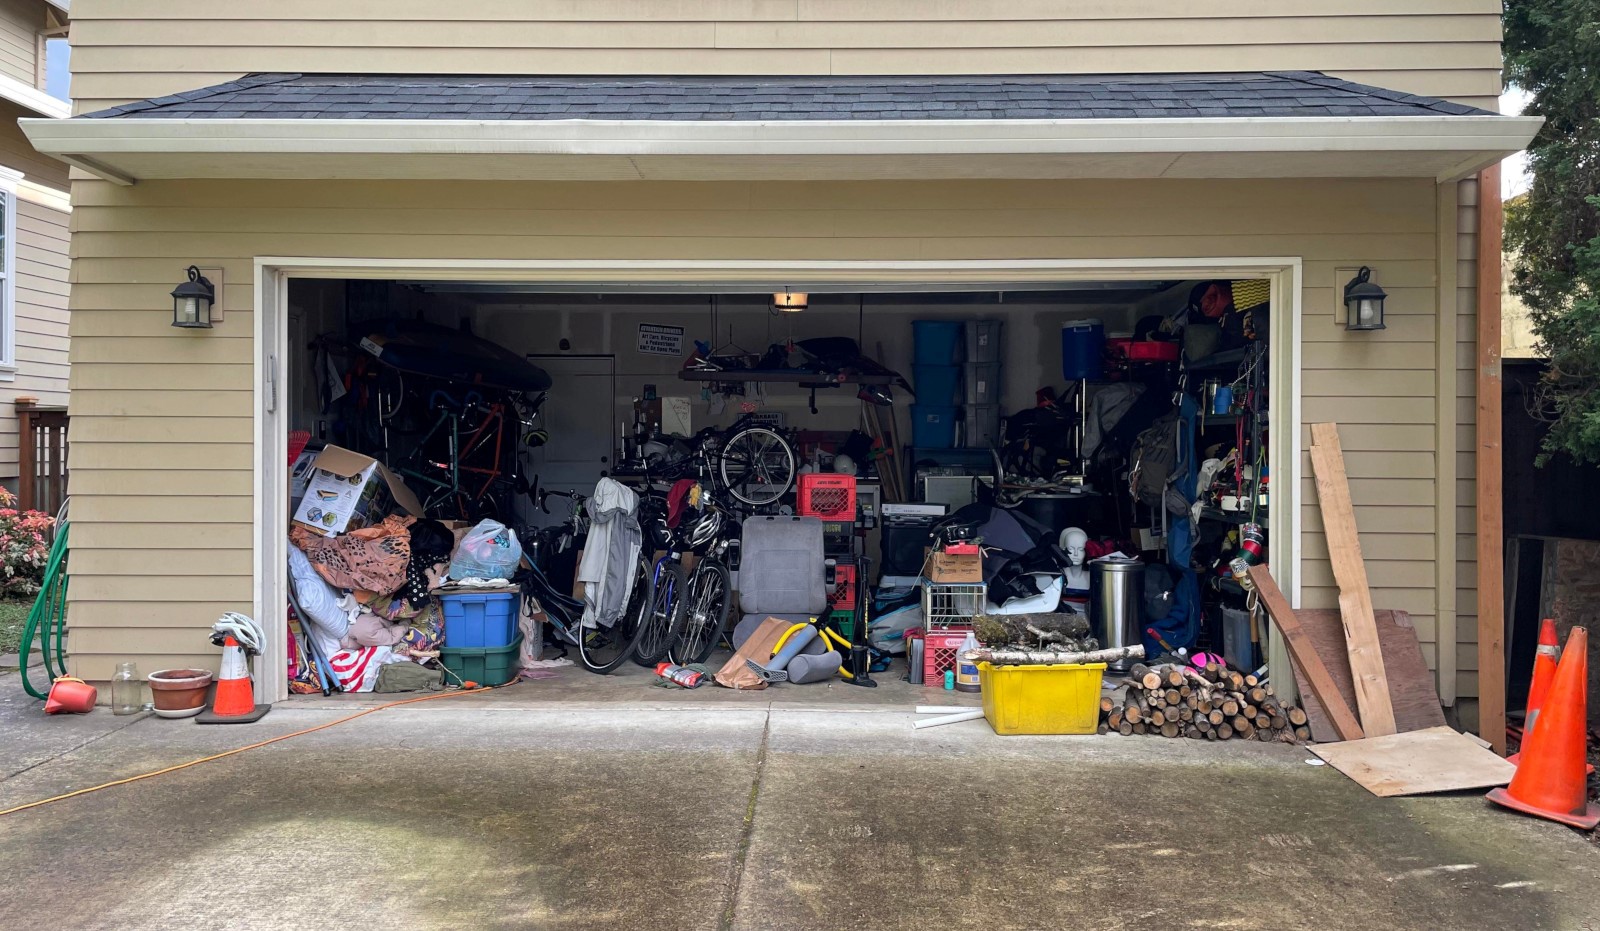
column 705, row 613
column 659, row 625
column 604, row 649
column 757, row 466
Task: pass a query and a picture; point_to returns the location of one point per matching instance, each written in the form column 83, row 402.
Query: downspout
column 1489, row 497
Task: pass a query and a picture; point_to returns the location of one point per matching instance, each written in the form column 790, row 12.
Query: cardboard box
column 955, row 568
column 347, row 491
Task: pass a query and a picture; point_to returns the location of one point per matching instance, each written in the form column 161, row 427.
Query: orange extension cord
column 254, row 746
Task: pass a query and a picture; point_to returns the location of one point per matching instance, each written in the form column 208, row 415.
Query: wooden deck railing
column 41, row 455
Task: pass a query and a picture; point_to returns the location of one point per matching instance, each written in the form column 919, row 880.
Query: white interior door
column 577, row 414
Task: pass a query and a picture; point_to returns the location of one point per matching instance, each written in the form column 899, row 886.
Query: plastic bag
column 488, row 551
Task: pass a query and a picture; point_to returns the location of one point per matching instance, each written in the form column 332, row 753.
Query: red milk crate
column 939, row 649
column 830, row 497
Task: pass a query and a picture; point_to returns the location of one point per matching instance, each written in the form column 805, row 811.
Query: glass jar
column 127, row 690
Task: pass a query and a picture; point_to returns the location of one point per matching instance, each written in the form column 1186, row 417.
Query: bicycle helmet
column 706, row 528
column 242, row 629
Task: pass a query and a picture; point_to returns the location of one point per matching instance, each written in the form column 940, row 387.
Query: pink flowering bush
column 23, row 547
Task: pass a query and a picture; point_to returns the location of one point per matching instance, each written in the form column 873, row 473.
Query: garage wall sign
column 659, row 339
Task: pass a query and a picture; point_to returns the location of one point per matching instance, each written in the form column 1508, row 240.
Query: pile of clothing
column 365, row 600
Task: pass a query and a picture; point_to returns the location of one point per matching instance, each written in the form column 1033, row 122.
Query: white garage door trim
column 272, row 275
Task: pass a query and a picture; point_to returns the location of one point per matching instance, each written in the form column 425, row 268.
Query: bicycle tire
column 775, row 442
column 659, row 625
column 705, row 614
column 622, row 637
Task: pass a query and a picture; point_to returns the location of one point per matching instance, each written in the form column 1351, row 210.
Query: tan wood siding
column 157, row 411
column 41, row 319
column 20, row 22
column 123, row 49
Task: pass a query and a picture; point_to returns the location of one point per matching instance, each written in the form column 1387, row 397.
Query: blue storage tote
column 933, row 426
column 937, row 342
column 937, row 384
column 1083, row 345
column 472, row 619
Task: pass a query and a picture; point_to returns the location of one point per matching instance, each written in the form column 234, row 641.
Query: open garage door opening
column 494, row 479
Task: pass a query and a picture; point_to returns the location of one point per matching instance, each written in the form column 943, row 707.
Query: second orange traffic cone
column 1544, row 672
column 235, row 696
column 1550, row 783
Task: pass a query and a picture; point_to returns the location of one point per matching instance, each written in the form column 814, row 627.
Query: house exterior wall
column 162, row 419
column 132, row 49
column 41, row 289
column 21, row 49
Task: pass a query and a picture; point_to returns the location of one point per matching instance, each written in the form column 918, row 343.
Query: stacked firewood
column 1216, row 703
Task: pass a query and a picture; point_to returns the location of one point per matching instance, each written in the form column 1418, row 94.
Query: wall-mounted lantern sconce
column 1363, row 302
column 192, row 300
column 790, row 302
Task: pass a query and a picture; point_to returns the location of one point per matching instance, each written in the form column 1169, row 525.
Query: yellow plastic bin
column 1042, row 699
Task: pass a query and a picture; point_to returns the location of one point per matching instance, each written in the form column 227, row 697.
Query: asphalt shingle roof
column 1083, row 96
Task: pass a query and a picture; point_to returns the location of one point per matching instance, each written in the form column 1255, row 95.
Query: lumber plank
column 1318, row 680
column 1487, row 459
column 1411, row 683
column 1350, row 571
column 1418, row 762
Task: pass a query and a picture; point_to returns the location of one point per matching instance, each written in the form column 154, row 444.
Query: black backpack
column 1155, row 466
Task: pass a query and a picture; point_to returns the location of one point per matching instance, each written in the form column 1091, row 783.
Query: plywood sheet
column 1411, row 686
column 1416, row 763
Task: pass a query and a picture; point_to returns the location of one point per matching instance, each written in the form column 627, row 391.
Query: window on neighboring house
column 8, row 277
column 57, row 68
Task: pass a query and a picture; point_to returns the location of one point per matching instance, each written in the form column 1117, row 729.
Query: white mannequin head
column 1075, row 543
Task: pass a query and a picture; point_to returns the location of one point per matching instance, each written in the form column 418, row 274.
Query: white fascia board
column 99, row 141
column 25, row 95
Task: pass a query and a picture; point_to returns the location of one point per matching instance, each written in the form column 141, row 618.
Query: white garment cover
column 611, row 555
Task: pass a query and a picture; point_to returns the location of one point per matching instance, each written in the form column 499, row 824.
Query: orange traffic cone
column 235, row 701
column 1544, row 672
column 1550, row 782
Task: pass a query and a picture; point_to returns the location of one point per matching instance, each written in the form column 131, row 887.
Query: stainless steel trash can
column 1116, row 600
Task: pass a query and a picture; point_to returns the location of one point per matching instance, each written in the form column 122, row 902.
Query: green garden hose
column 48, row 618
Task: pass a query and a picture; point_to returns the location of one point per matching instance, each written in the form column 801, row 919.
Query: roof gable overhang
column 1443, row 148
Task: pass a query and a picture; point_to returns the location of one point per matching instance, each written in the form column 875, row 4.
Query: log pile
column 1216, row 703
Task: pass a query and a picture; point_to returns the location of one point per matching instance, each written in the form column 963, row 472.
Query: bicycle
column 689, row 607
column 753, row 463
column 601, row 649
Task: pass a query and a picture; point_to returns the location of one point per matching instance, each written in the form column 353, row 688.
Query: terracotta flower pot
column 179, row 693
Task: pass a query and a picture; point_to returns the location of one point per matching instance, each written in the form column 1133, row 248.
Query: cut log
column 1239, row 723
column 1145, row 676
column 1103, row 729
column 1251, row 681
column 1174, row 677
column 1053, row 628
column 1224, row 732
column 1248, row 710
column 1131, row 712
column 1125, row 729
column 1170, row 729
column 1216, row 718
column 1053, row 658
column 1302, row 733
column 1203, row 706
column 1173, row 697
column 1115, row 718
column 1277, row 722
column 1257, row 695
column 1192, row 732
column 1262, row 721
column 1139, row 729
column 1297, row 717
column 1230, row 708
column 1157, row 718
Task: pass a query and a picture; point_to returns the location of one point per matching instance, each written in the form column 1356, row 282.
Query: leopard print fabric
column 373, row 559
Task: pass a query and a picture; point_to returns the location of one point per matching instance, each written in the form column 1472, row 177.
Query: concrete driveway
column 664, row 814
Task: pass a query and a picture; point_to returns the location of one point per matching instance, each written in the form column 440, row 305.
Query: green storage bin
column 845, row 621
column 483, row 665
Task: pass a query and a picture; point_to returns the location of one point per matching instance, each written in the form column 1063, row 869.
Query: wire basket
column 946, row 605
